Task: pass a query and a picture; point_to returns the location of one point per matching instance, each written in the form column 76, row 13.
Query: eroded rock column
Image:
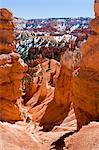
column 57, row 110
column 85, row 87
column 11, row 70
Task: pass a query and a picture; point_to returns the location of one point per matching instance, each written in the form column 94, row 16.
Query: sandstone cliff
column 11, row 70
column 55, row 107
column 79, row 86
column 85, row 87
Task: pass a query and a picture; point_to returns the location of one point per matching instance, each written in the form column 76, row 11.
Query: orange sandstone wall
column 57, row 110
column 85, row 87
column 11, row 70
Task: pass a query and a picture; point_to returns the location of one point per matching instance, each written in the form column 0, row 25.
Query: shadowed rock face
column 11, row 70
column 85, row 87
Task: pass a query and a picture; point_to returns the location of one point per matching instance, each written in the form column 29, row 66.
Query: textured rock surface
column 40, row 80
column 6, row 27
column 95, row 25
column 85, row 87
column 82, row 88
column 55, row 107
column 62, row 88
column 96, row 8
column 29, row 136
column 13, row 137
column 86, row 139
column 11, row 70
column 51, row 110
column 95, row 22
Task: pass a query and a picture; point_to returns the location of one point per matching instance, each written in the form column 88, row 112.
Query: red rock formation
column 30, row 89
column 53, row 111
column 85, row 87
column 82, row 89
column 95, row 22
column 96, row 8
column 62, row 88
column 38, row 82
column 11, row 70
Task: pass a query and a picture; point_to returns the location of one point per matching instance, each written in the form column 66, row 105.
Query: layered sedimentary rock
column 85, row 87
column 6, row 32
column 62, row 88
column 11, row 70
column 30, row 90
column 57, row 109
column 82, row 88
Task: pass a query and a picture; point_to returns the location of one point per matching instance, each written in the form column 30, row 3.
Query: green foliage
column 48, row 69
column 57, row 57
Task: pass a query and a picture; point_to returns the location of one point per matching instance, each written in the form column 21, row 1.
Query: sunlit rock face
column 58, row 108
column 14, row 137
column 11, row 70
column 62, row 88
column 82, row 88
column 6, row 32
column 85, row 87
column 96, row 8
column 95, row 22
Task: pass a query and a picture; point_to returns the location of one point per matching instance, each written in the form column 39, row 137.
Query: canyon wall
column 11, row 70
column 62, row 87
column 85, row 87
column 57, row 110
column 82, row 88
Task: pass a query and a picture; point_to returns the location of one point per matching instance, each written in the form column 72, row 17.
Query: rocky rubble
column 11, row 70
